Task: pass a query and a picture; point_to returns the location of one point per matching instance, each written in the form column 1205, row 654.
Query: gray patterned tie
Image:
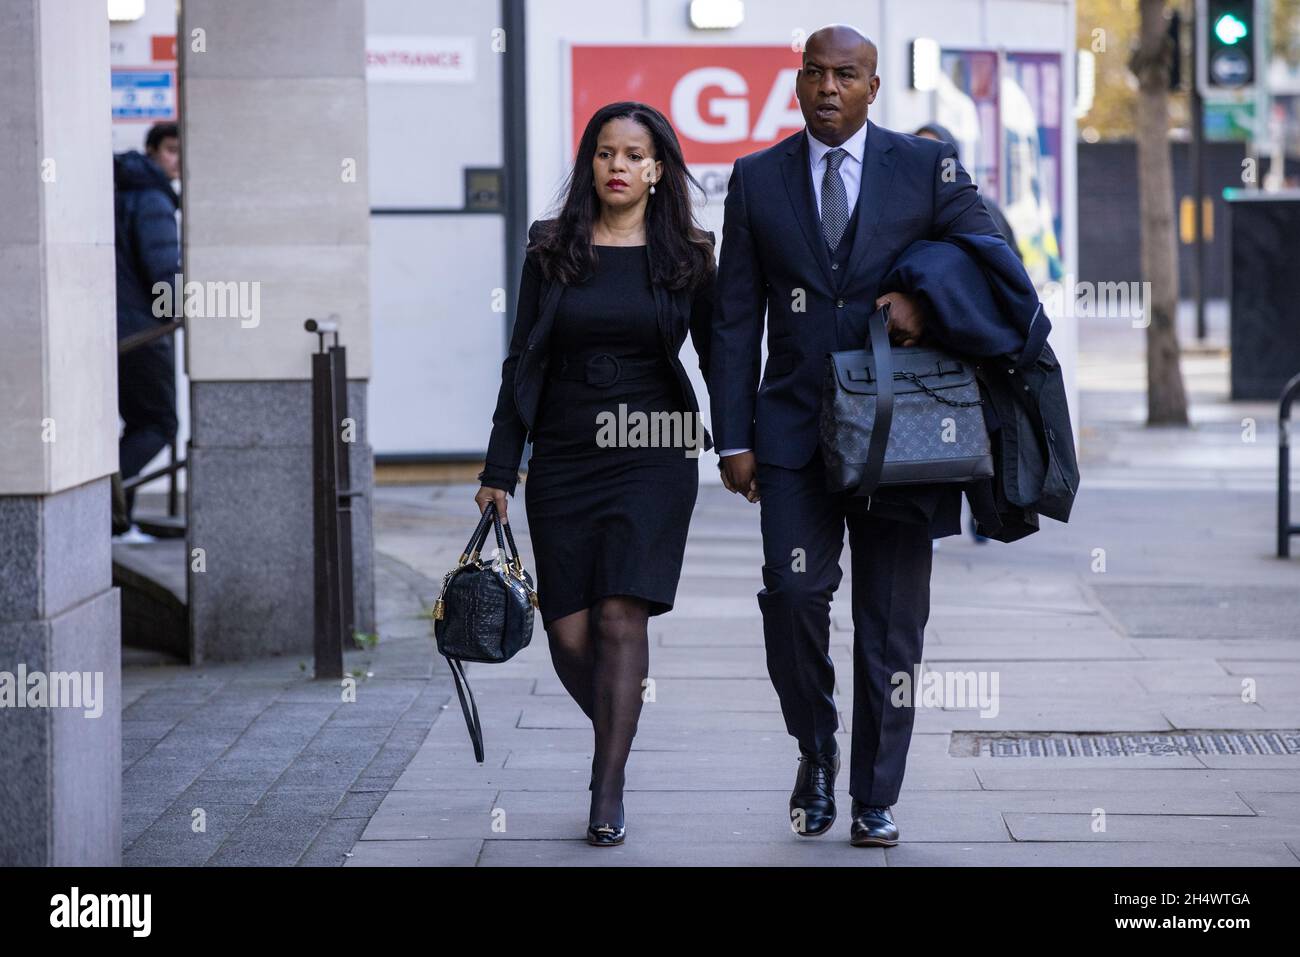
column 835, row 201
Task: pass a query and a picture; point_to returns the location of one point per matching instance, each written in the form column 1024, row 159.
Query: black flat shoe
column 607, row 835
column 872, row 827
column 812, row 803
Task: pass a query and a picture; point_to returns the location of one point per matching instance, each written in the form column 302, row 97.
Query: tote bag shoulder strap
column 882, row 363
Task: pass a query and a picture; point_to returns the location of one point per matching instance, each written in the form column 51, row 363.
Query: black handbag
column 900, row 416
column 484, row 613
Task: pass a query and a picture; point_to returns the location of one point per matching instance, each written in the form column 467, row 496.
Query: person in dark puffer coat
column 936, row 131
column 148, row 252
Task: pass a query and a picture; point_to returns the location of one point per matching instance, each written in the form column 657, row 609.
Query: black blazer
column 524, row 368
column 774, row 260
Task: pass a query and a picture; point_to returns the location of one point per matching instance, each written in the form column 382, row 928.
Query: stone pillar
column 275, row 200
column 60, row 770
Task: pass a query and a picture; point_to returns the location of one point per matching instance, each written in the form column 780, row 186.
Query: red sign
column 723, row 101
column 163, row 47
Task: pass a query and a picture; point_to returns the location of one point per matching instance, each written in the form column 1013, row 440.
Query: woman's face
column 624, row 165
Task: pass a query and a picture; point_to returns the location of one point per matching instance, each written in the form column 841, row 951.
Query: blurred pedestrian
column 148, row 253
column 936, row 131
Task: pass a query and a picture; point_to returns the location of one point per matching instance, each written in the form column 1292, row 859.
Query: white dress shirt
column 850, row 168
column 850, row 173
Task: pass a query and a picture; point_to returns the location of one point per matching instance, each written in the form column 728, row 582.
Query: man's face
column 167, row 155
column 836, row 85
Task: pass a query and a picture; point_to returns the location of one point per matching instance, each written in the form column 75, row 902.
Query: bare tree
column 1166, row 398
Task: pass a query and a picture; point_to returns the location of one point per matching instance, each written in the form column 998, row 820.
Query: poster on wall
column 1033, row 193
column 723, row 101
column 966, row 101
column 1005, row 110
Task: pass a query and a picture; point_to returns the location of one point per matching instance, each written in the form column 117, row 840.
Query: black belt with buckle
column 604, row 369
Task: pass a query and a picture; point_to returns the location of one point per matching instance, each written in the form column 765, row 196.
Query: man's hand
column 906, row 317
column 740, row 475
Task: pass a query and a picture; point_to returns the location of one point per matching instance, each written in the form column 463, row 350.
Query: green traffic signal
column 1229, row 28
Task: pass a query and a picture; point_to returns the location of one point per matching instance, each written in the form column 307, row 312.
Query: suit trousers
column 803, row 535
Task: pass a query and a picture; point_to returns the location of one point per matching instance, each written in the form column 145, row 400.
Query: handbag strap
column 514, row 551
column 501, row 543
column 468, row 707
column 479, row 536
column 882, row 362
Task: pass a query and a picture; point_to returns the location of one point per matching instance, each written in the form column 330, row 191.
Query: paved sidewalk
column 712, row 765
column 1190, row 611
column 254, row 763
column 1189, row 606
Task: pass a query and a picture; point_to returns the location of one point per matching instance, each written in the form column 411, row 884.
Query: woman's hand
column 486, row 494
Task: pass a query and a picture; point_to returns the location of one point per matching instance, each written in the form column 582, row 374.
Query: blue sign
column 144, row 94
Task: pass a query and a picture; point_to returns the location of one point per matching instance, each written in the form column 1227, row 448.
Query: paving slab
column 1168, row 780
column 449, row 853
column 1146, row 827
column 823, row 851
column 1094, row 854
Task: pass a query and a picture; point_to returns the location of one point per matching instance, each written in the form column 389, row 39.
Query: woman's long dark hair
column 681, row 254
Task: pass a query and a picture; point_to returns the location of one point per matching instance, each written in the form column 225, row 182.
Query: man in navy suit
column 811, row 228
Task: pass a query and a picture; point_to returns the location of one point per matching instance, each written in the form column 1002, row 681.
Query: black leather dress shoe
column 812, row 803
column 607, row 835
column 872, row 827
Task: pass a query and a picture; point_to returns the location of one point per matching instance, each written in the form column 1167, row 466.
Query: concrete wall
column 274, row 124
column 60, row 772
column 56, row 252
column 437, row 341
column 271, row 112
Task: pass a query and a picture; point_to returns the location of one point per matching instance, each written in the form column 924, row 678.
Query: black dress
column 608, row 519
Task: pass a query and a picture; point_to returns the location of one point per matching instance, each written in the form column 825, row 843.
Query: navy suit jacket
column 775, row 260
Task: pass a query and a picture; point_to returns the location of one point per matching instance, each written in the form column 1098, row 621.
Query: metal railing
column 1284, row 527
column 332, row 496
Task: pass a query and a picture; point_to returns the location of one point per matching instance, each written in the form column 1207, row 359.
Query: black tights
column 602, row 656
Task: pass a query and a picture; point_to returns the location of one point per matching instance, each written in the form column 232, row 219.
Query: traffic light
column 1227, row 45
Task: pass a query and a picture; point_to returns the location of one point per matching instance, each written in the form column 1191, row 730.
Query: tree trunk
column 1166, row 400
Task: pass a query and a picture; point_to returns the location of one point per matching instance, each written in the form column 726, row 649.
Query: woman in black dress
column 610, row 288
